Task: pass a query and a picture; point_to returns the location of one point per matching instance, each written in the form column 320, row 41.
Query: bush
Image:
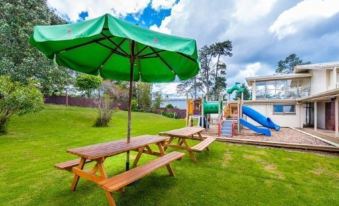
column 170, row 114
column 17, row 98
column 134, row 105
column 169, row 106
column 105, row 111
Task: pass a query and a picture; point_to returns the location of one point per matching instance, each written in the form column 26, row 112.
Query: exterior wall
column 319, row 81
column 283, row 120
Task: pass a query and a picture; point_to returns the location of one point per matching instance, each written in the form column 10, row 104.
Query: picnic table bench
column 185, row 133
column 100, row 152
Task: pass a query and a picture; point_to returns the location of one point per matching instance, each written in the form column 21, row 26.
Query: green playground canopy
column 104, row 46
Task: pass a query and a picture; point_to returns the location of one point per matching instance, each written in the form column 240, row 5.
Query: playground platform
column 286, row 138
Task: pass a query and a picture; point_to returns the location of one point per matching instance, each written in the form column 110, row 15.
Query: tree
column 157, row 100
column 18, row 59
column 144, row 96
column 88, row 83
column 246, row 93
column 287, row 65
column 190, row 87
column 16, row 98
column 212, row 73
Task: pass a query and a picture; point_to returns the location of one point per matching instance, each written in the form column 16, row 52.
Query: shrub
column 105, row 111
column 169, row 106
column 170, row 114
column 134, row 105
column 17, row 98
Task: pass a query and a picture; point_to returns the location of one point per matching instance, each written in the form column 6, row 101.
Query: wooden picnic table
column 185, row 133
column 99, row 152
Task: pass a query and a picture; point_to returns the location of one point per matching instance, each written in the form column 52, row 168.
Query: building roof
column 250, row 80
column 306, row 67
column 327, row 95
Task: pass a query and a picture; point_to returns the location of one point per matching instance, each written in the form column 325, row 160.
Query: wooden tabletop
column 183, row 132
column 115, row 147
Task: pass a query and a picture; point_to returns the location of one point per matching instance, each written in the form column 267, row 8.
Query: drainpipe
column 336, row 116
column 334, row 75
column 254, row 92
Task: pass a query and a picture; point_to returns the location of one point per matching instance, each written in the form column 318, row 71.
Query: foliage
column 170, row 114
column 114, row 94
column 134, row 105
column 169, row 106
column 144, row 96
column 157, row 100
column 212, row 77
column 190, row 87
column 247, row 94
column 18, row 59
column 104, row 111
column 16, row 98
column 88, row 83
column 287, row 65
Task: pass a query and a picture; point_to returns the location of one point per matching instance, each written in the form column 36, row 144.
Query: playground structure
column 231, row 116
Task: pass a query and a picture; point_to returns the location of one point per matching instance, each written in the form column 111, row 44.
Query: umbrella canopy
column 118, row 50
column 104, row 46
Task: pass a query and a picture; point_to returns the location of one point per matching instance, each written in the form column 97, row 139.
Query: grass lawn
column 228, row 175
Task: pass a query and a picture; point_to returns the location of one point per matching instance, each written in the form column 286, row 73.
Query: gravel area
column 285, row 135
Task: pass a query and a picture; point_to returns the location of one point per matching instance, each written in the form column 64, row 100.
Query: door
column 329, row 115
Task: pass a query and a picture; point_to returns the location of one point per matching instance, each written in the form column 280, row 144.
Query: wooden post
column 315, row 116
column 254, row 91
column 336, row 116
column 130, row 99
column 66, row 98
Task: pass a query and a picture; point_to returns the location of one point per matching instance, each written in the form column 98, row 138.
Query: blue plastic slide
column 260, row 130
column 261, row 119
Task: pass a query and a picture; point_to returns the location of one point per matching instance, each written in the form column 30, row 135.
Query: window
column 283, row 109
column 283, row 89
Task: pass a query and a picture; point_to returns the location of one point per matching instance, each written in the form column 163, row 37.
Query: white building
column 306, row 98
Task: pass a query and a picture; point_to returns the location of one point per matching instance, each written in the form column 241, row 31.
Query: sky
column 262, row 31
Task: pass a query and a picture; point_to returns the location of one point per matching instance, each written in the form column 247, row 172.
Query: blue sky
column 262, row 31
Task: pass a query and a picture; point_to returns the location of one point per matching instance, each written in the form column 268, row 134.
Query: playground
column 232, row 121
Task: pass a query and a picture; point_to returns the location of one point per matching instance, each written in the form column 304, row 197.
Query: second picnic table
column 185, row 133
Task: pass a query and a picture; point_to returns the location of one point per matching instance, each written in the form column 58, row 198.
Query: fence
column 87, row 102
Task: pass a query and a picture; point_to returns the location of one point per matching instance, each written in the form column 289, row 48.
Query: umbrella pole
column 130, row 101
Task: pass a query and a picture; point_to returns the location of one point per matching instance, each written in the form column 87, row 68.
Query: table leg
column 101, row 168
column 76, row 177
column 201, row 138
column 188, row 148
column 168, row 143
column 140, row 152
column 162, row 153
column 110, row 199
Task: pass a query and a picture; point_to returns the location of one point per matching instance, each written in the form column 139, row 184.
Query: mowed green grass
column 227, row 175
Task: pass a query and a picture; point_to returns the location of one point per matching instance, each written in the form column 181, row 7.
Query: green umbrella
column 118, row 50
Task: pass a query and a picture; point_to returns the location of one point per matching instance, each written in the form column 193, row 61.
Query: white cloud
column 250, row 70
column 162, row 4
column 248, row 11
column 166, row 88
column 73, row 8
column 301, row 15
column 163, row 28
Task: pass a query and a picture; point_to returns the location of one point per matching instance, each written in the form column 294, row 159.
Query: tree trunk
column 3, row 124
